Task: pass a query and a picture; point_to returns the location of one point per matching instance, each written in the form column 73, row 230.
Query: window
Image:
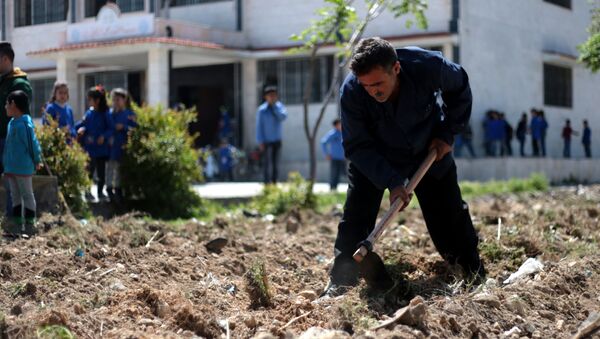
column 176, row 3
column 41, row 93
column 131, row 81
column 110, row 80
column 558, row 86
column 92, row 7
column 36, row 12
column 561, row 3
column 290, row 77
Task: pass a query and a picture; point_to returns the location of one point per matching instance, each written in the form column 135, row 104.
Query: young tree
column 590, row 50
column 338, row 24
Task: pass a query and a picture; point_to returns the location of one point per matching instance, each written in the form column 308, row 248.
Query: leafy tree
column 338, row 24
column 590, row 50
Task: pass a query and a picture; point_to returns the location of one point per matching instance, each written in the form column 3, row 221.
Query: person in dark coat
column 390, row 121
column 586, row 139
column 522, row 133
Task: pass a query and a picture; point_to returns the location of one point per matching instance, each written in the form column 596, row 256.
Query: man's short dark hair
column 20, row 99
column 7, row 50
column 370, row 53
column 336, row 121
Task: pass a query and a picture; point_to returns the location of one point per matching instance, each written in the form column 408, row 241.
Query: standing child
column 21, row 158
column 59, row 110
column 226, row 160
column 331, row 144
column 123, row 120
column 94, row 131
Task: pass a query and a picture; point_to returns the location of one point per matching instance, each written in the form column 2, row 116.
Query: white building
column 209, row 53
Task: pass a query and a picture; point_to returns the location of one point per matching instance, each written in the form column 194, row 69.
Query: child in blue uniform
column 331, row 144
column 59, row 110
column 123, row 120
column 93, row 132
column 21, row 158
column 226, row 161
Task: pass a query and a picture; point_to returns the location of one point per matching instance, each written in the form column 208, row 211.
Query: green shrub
column 296, row 193
column 68, row 162
column 160, row 164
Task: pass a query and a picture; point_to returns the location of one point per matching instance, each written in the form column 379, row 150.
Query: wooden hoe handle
column 367, row 245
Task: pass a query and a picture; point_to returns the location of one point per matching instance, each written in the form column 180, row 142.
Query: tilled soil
column 132, row 277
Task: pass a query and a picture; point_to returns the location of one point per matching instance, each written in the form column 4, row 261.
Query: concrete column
column 157, row 77
column 66, row 70
column 249, row 100
column 447, row 51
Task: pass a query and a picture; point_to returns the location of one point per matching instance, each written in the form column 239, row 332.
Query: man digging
column 391, row 118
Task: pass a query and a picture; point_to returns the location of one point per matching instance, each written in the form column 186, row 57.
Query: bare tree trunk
column 375, row 9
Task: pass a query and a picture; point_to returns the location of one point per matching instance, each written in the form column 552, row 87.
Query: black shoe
column 342, row 276
column 332, row 290
column 473, row 268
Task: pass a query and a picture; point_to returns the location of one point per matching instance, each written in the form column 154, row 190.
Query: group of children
column 102, row 132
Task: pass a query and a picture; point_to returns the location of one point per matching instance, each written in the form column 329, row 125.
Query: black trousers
column 99, row 166
column 445, row 213
column 337, row 168
column 270, row 160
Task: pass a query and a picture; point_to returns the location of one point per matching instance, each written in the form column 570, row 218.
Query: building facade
column 220, row 53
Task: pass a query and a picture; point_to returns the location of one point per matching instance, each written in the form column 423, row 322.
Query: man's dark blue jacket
column 387, row 141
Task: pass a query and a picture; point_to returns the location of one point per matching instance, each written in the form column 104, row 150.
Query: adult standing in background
column 535, row 126
column 269, row 117
column 544, row 128
column 567, row 132
column 586, row 139
column 521, row 133
column 508, row 135
column 11, row 79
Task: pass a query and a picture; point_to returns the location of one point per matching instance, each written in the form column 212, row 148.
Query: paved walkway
column 241, row 190
column 245, row 190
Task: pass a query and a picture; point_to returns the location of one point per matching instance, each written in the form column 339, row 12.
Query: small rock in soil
column 216, row 245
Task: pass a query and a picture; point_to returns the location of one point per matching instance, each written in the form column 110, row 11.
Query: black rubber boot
column 30, row 229
column 343, row 275
column 473, row 267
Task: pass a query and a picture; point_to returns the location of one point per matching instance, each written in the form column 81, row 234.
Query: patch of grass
column 54, row 332
column 581, row 249
column 257, row 285
column 536, row 182
column 511, row 257
column 356, row 314
column 279, row 199
column 326, row 201
column 16, row 289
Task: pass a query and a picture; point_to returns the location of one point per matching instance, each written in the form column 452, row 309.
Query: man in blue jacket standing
column 331, row 144
column 269, row 117
column 390, row 120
